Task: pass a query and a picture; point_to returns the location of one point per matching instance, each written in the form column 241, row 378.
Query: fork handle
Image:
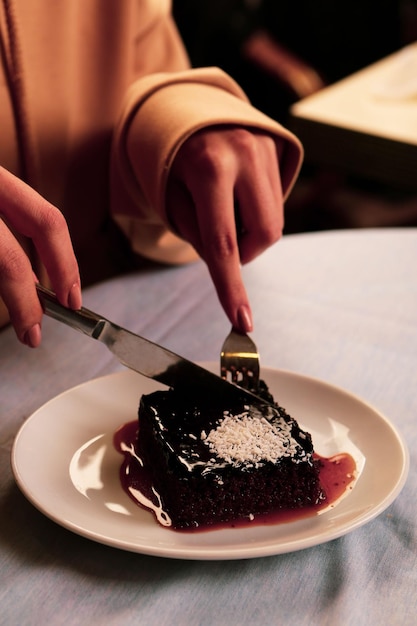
column 82, row 319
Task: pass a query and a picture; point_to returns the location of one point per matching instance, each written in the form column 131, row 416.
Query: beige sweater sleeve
column 161, row 111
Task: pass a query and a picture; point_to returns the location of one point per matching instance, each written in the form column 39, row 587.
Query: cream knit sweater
column 86, row 84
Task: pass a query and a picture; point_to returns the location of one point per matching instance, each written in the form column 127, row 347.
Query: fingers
column 200, row 204
column 219, row 248
column 230, row 169
column 259, row 202
column 28, row 214
column 17, row 289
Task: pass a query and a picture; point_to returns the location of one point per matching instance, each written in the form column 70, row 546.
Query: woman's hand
column 224, row 196
column 26, row 213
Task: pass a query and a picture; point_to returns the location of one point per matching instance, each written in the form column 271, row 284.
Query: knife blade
column 146, row 357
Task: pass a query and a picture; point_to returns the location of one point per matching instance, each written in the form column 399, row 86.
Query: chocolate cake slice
column 213, row 464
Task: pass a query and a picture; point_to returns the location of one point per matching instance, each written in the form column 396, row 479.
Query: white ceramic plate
column 64, row 462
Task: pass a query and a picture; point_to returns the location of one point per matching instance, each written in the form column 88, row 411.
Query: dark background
column 336, row 39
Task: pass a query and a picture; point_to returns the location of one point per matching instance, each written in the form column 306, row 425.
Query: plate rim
column 213, row 552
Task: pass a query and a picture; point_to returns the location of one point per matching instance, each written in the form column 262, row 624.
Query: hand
column 224, row 196
column 30, row 215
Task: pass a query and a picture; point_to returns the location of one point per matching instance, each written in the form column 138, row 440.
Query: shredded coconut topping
column 247, row 438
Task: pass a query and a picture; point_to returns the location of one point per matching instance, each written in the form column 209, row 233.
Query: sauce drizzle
column 337, row 475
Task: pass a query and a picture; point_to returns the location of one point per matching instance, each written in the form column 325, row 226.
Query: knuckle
column 270, row 234
column 13, row 264
column 264, row 237
column 51, row 220
column 268, row 239
column 223, row 245
column 245, row 140
column 211, row 163
column 212, row 160
column 257, row 148
column 252, row 144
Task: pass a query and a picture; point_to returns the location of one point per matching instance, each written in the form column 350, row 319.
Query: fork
column 239, row 360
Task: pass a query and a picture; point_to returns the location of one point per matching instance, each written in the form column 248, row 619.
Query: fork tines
column 239, row 360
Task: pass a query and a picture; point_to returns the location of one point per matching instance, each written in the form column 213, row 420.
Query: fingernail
column 244, row 318
column 74, row 297
column 33, row 336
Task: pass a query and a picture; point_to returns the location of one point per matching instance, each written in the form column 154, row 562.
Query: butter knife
column 144, row 356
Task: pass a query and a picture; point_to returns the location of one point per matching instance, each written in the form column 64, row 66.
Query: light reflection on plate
column 64, row 462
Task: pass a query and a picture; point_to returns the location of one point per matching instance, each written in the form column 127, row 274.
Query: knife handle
column 82, row 319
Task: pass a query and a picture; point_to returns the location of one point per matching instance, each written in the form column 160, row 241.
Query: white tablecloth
column 338, row 306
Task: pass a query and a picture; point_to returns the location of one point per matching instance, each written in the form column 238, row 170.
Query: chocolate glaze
column 196, row 487
column 180, row 426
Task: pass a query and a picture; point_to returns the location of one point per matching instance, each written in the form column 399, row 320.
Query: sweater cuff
column 185, row 103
